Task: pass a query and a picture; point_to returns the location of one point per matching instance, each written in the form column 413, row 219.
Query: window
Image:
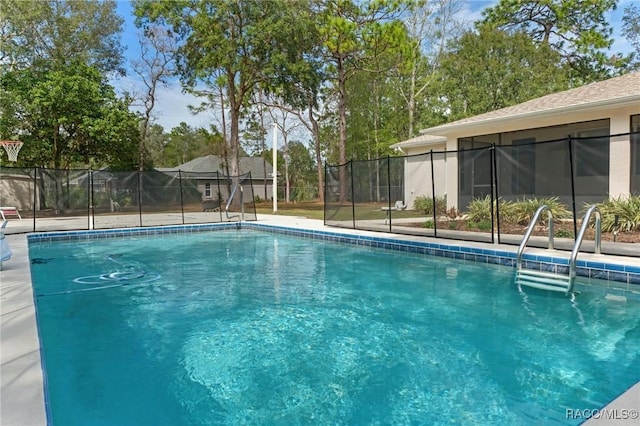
column 524, row 161
column 592, row 153
column 207, row 190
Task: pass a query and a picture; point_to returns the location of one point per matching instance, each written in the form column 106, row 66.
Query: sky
column 172, row 105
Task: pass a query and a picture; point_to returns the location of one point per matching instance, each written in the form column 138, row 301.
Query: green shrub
column 480, row 210
column 482, row 225
column 428, row 224
column 78, row 197
column 523, row 210
column 627, row 210
column 424, row 204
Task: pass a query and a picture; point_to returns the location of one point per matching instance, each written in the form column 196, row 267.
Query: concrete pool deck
column 21, row 381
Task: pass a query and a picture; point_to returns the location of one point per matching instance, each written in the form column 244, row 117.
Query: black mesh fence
column 50, row 200
column 339, row 205
column 529, row 175
column 490, row 192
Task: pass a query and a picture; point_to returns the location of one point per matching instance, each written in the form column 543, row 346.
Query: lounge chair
column 9, row 211
column 399, row 205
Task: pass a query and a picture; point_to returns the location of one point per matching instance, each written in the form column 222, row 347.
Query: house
column 587, row 130
column 208, row 170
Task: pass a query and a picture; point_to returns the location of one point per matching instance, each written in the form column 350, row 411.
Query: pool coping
column 22, row 384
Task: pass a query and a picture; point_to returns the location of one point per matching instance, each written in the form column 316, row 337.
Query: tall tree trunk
column 235, row 103
column 263, row 135
column 318, row 150
column 342, row 128
column 411, row 105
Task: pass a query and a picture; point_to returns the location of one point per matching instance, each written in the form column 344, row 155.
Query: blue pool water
column 246, row 327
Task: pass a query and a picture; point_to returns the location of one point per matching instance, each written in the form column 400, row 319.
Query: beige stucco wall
column 417, row 172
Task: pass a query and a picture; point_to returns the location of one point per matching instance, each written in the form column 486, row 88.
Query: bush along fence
column 100, row 199
column 489, row 192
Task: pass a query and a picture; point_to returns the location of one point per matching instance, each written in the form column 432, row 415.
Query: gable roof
column 618, row 91
column 215, row 163
column 421, row 140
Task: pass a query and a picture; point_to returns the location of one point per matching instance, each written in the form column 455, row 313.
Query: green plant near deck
column 483, row 225
column 523, row 210
column 627, row 210
column 428, row 224
column 424, row 204
column 480, row 210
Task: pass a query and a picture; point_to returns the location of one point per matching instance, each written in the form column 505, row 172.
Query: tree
column 303, row 182
column 576, row 29
column 186, row 143
column 353, row 33
column 66, row 117
column 285, row 127
column 239, row 43
column 430, row 25
column 156, row 65
column 55, row 57
column 631, row 30
column 156, row 140
column 50, row 34
column 255, row 134
column 492, row 69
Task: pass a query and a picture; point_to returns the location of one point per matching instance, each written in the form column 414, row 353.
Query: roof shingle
column 622, row 89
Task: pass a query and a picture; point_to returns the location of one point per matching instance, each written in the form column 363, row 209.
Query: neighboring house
column 208, row 184
column 605, row 165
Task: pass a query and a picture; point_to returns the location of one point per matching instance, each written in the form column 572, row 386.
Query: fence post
column 353, row 197
column 140, row 196
column 35, row 195
column 389, row 187
column 493, row 200
column 219, row 194
column 573, row 188
column 181, row 199
column 324, row 191
column 433, row 196
column 494, row 186
column 90, row 206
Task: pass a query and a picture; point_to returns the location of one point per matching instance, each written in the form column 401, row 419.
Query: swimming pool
column 237, row 327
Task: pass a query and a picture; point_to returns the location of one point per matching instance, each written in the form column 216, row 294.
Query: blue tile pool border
column 615, row 278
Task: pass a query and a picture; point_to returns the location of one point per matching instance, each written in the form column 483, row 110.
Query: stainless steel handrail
column 532, row 225
column 576, row 247
column 233, row 193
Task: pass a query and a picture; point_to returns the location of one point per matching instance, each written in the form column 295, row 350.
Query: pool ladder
column 549, row 280
column 238, row 185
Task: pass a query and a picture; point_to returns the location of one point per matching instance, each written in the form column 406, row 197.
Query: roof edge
column 445, row 129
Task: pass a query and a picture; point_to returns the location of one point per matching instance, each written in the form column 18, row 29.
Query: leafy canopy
column 493, row 69
column 576, row 29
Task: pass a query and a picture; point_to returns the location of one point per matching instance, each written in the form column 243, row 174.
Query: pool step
column 543, row 280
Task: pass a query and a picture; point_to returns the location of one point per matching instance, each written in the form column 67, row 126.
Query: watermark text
column 602, row 413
